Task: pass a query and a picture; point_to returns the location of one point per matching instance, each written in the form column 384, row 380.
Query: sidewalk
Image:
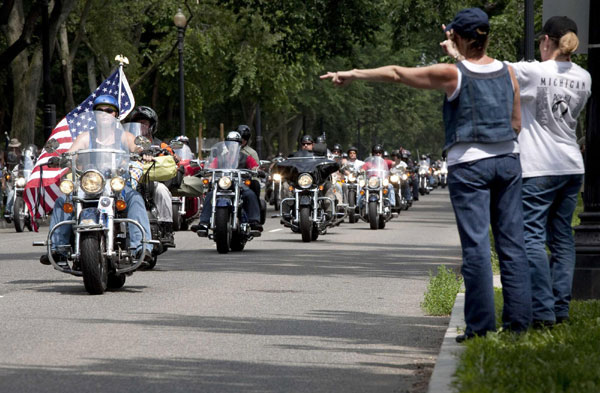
column 447, row 360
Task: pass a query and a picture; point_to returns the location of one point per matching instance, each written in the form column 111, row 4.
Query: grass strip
column 441, row 291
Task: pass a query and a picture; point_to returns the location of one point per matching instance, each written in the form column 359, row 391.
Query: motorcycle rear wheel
column 306, row 226
column 177, row 219
column 222, row 230
column 373, row 216
column 93, row 263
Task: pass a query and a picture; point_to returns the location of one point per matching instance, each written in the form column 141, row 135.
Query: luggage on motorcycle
column 191, row 186
column 161, row 169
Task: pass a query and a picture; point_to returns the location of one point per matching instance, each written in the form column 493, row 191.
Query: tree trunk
column 67, row 67
column 91, row 74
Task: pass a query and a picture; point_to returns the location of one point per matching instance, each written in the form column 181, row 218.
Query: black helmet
column 106, row 99
column 344, row 155
column 244, row 131
column 146, row 113
column 377, row 149
column 385, row 153
column 307, row 139
column 337, row 147
column 234, row 136
column 321, row 139
column 352, row 148
column 395, row 153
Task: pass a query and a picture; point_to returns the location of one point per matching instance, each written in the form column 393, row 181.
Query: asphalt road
column 341, row 314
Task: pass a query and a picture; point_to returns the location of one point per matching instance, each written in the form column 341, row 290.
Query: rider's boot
column 168, row 239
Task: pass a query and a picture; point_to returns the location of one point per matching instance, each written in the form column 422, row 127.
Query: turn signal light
column 362, row 192
column 247, row 182
column 321, row 188
column 385, row 191
column 291, row 188
column 121, row 205
column 205, row 181
column 68, row 207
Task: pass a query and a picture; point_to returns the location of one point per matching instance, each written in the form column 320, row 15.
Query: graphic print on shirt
column 566, row 98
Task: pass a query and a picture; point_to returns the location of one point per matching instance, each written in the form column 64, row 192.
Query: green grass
column 441, row 292
column 562, row 359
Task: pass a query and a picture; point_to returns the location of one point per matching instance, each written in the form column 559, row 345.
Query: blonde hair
column 568, row 43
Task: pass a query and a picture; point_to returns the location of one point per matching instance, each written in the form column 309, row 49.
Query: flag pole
column 122, row 60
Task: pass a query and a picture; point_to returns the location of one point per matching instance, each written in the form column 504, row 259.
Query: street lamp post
column 180, row 21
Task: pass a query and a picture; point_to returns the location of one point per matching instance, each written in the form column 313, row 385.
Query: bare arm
column 516, row 113
column 438, row 76
column 81, row 142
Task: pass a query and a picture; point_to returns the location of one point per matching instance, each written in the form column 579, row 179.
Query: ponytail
column 568, row 43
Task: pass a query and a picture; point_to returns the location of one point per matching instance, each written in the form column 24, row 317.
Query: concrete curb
column 447, row 361
column 445, row 366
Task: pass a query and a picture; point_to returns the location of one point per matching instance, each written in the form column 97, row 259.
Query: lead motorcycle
column 308, row 211
column 229, row 227
column 375, row 207
column 99, row 249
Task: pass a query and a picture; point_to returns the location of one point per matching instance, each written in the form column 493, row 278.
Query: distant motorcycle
column 351, row 181
column 444, row 174
column 375, row 207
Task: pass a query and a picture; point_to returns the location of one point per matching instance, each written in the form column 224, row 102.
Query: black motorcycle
column 309, row 211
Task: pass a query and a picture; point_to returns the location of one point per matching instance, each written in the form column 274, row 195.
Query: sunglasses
column 307, row 144
column 107, row 110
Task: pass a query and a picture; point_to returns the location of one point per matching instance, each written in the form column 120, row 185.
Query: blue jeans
column 10, row 201
column 391, row 196
column 136, row 210
column 548, row 206
column 485, row 192
column 249, row 203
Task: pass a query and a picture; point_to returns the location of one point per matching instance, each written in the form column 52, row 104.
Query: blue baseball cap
column 470, row 23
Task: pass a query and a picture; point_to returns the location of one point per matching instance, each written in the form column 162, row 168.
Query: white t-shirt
column 467, row 151
column 356, row 163
column 553, row 93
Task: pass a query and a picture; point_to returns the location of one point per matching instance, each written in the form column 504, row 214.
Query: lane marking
column 276, row 230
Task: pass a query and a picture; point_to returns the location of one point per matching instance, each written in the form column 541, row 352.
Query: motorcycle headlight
column 66, row 186
column 422, row 172
column 361, row 183
column 352, row 177
column 386, row 182
column 305, row 180
column 404, row 176
column 394, row 178
column 225, row 182
column 117, row 184
column 276, row 177
column 373, row 182
column 92, row 182
column 20, row 182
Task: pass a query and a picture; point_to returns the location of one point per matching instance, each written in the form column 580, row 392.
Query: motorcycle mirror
column 176, row 145
column 51, row 146
column 54, row 162
column 142, row 142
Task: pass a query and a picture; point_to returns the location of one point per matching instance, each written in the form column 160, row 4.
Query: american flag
column 42, row 189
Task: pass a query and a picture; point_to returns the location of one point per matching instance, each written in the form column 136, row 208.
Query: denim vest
column 482, row 111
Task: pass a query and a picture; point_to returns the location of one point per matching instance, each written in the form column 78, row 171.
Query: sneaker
column 168, row 240
column 461, row 338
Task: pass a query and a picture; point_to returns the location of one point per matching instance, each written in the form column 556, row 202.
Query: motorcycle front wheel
column 306, row 226
column 222, row 230
column 373, row 216
column 351, row 212
column 19, row 214
column 93, row 263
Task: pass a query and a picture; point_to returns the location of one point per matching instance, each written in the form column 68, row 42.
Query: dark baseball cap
column 470, row 23
column 557, row 26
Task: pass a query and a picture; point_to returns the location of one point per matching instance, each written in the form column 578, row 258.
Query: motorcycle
column 399, row 179
column 351, row 181
column 99, row 250
column 308, row 211
column 375, row 207
column 228, row 223
column 275, row 192
column 444, row 174
column 186, row 209
column 424, row 173
column 20, row 214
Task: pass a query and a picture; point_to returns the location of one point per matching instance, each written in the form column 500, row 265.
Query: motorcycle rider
column 250, row 200
column 246, row 134
column 14, row 157
column 148, row 118
column 353, row 158
column 377, row 151
column 104, row 106
column 186, row 145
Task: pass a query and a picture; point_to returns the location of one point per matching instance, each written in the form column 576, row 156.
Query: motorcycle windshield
column 376, row 166
column 307, row 163
column 108, row 150
column 224, row 155
column 185, row 153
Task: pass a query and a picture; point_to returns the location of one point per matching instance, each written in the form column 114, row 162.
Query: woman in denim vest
column 482, row 118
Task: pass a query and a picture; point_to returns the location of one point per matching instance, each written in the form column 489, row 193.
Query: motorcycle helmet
column 386, row 154
column 106, row 99
column 352, row 148
column 146, row 113
column 244, row 131
column 183, row 138
column 321, row 139
column 307, row 139
column 423, row 156
column 377, row 149
column 234, row 136
column 395, row 153
column 336, row 148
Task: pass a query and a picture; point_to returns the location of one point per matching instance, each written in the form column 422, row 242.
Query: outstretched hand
column 340, row 78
